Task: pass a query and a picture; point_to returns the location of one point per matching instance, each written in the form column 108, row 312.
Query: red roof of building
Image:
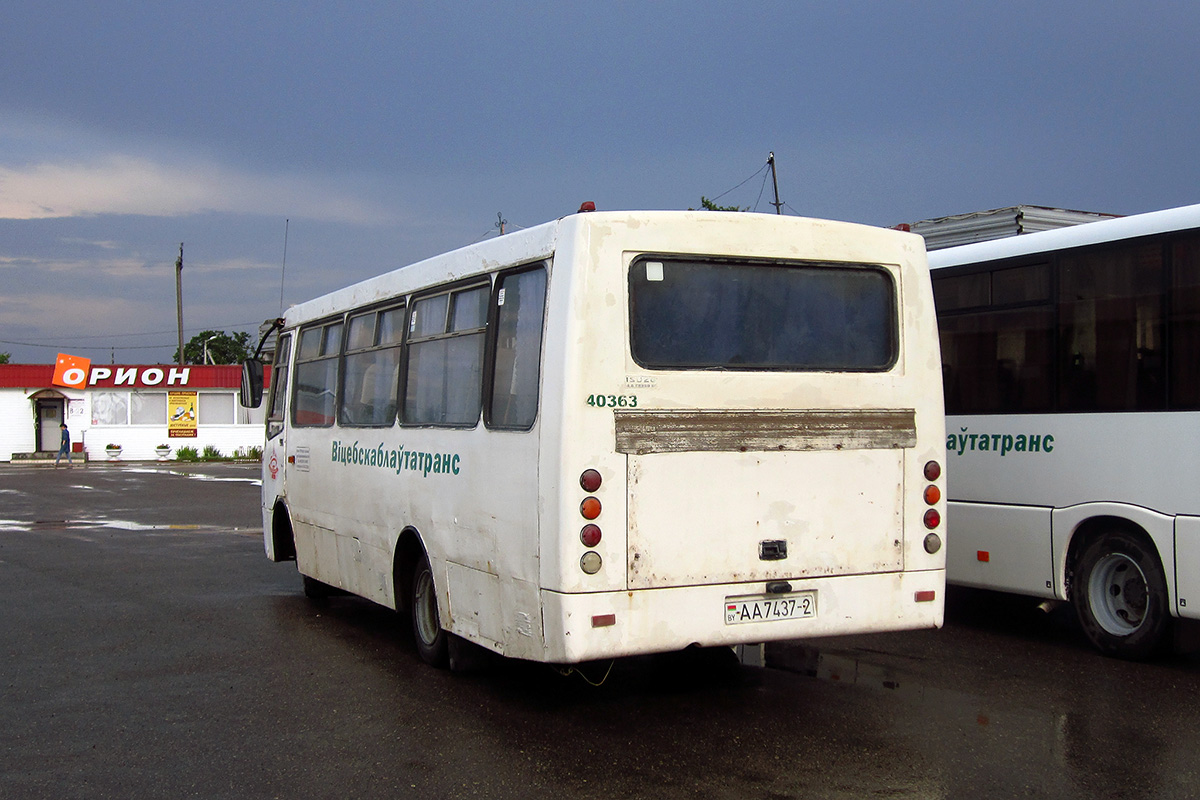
column 136, row 376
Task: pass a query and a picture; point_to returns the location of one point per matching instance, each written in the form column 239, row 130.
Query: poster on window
column 181, row 415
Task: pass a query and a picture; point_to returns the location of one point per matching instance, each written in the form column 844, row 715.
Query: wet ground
column 150, row 650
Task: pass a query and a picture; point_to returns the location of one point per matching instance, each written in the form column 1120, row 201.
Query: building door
column 50, row 414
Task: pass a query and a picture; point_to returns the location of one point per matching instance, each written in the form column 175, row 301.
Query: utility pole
column 179, row 299
column 774, row 182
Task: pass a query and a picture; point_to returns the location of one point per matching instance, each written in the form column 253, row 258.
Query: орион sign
column 75, row 372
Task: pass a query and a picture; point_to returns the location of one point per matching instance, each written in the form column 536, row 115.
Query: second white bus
column 621, row 433
column 1072, row 380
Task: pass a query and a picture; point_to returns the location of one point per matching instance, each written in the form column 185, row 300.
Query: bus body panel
column 1187, row 565
column 589, row 626
column 698, row 518
column 1133, row 472
column 1001, row 547
column 1059, row 460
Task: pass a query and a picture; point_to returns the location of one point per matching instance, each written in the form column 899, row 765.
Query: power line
column 59, row 340
column 763, row 168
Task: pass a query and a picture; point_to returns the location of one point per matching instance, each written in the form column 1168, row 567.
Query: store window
column 216, row 409
column 148, row 408
column 110, row 408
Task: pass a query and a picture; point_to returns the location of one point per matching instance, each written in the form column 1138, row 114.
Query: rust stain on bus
column 644, row 432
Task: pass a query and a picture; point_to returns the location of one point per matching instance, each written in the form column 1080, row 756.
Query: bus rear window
column 707, row 314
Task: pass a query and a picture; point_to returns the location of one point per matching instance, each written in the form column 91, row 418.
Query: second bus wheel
column 1120, row 596
column 426, row 625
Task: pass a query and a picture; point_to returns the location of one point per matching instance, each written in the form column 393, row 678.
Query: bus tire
column 1120, row 596
column 427, row 627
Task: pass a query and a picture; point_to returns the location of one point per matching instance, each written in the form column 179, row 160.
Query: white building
column 138, row 407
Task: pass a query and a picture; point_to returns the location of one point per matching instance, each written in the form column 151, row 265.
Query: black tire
column 1120, row 596
column 427, row 627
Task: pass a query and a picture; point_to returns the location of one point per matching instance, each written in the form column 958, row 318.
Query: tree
column 4, row 357
column 223, row 348
column 709, row 205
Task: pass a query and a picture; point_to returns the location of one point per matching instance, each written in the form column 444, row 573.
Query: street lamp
column 206, row 359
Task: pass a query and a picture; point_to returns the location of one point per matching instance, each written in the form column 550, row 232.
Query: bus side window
column 520, row 307
column 372, row 369
column 279, row 387
column 316, row 375
column 444, row 376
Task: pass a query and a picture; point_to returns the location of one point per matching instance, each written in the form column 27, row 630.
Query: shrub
column 248, row 453
column 211, row 453
column 186, row 454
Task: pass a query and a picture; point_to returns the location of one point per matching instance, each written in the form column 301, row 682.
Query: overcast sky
column 377, row 134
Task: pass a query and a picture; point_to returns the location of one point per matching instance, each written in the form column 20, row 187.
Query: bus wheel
column 1120, row 596
column 427, row 628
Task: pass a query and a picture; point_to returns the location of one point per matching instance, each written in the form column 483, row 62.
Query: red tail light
column 590, row 535
column 590, row 480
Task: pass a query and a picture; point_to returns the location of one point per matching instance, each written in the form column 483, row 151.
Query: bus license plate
column 770, row 609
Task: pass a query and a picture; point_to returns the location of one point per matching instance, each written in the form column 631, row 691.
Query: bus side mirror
column 252, row 383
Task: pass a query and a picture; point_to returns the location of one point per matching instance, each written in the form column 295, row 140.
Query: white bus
column 620, row 433
column 1072, row 383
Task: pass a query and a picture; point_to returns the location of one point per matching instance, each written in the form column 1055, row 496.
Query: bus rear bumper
column 601, row 625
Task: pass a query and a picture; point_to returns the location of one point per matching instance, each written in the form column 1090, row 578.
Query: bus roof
column 527, row 246
column 1171, row 219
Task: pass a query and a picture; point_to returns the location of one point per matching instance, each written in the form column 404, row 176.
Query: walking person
column 64, row 445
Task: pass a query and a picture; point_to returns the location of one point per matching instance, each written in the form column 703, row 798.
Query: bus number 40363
column 612, row 400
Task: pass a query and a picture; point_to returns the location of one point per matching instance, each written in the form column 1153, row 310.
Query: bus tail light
column 932, row 518
column 926, row 596
column 590, row 508
column 591, row 562
column 932, row 494
column 933, row 471
column 590, row 480
column 590, row 535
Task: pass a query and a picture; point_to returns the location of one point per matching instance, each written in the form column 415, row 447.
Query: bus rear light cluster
column 932, row 518
column 590, row 509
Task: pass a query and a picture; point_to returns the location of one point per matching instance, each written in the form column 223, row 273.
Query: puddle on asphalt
column 1054, row 734
column 195, row 476
column 74, row 524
